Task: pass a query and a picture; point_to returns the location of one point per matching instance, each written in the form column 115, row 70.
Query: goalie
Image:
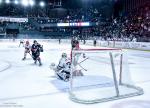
column 63, row 69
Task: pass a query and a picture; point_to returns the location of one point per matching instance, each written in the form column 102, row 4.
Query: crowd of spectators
column 73, row 15
column 133, row 26
column 130, row 27
column 2, row 30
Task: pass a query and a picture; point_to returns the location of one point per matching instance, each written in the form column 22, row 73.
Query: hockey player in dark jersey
column 94, row 42
column 75, row 43
column 36, row 49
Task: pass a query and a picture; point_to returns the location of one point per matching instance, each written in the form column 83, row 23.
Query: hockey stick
column 82, row 62
column 82, row 67
column 30, row 55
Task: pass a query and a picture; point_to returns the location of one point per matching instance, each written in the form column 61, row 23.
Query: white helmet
column 64, row 55
column 76, row 38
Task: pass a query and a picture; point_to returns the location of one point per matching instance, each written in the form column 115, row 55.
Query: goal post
column 105, row 76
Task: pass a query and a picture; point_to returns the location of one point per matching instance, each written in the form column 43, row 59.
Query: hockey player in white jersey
column 21, row 42
column 64, row 67
column 27, row 49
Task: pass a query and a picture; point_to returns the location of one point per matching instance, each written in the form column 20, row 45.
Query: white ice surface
column 23, row 84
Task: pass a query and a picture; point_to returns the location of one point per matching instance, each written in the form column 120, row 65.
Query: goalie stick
column 82, row 62
column 53, row 66
column 82, row 67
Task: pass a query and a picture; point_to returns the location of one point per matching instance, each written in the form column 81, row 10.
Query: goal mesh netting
column 100, row 75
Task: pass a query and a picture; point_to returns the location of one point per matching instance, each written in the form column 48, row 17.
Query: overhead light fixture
column 7, row 1
column 31, row 2
column 16, row 2
column 42, row 3
column 25, row 2
column 0, row 1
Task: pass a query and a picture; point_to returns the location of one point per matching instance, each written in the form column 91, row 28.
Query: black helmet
column 34, row 41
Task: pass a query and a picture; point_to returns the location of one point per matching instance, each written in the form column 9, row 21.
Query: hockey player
column 21, row 42
column 59, row 40
column 36, row 49
column 27, row 49
column 75, row 43
column 75, row 57
column 63, row 69
column 94, row 42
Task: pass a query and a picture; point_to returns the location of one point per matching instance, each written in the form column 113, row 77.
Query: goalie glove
column 52, row 66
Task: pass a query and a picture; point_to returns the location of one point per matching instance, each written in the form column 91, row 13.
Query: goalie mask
column 64, row 55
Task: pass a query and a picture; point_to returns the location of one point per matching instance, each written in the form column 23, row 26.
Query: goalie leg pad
column 63, row 75
column 77, row 73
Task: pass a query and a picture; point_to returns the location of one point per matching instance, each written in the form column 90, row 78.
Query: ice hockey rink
column 26, row 85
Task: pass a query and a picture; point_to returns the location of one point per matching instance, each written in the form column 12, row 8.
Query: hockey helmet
column 34, row 41
column 27, row 42
column 64, row 55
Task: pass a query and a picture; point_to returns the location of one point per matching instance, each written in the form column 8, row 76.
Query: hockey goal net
column 101, row 75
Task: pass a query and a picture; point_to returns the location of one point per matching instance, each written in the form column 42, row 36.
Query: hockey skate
column 67, row 78
column 35, row 62
column 24, row 58
column 40, row 64
column 78, row 73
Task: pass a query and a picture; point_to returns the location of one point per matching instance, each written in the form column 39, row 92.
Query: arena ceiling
column 12, row 9
column 64, row 3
